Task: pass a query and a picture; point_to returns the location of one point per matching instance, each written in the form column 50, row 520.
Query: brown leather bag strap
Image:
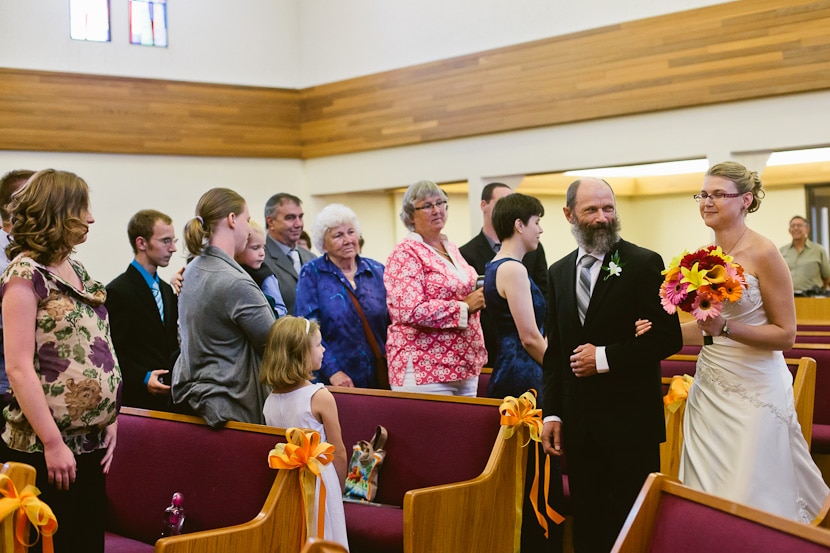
column 370, row 337
column 379, row 439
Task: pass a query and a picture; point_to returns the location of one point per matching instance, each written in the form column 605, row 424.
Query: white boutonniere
column 614, row 267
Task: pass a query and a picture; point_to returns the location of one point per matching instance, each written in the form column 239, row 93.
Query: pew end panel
column 278, row 527
column 478, row 515
column 21, row 475
column 670, row 517
column 223, row 475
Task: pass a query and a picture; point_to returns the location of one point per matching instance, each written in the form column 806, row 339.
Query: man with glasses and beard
column 602, row 403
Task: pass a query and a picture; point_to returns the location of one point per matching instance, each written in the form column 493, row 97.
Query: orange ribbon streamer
column 674, row 403
column 28, row 507
column 306, row 452
column 517, row 413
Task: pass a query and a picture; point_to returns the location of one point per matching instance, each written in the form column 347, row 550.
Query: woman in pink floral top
column 434, row 344
column 62, row 368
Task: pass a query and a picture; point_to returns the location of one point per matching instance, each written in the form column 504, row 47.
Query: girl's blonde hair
column 286, row 360
column 257, row 230
column 213, row 206
column 48, row 216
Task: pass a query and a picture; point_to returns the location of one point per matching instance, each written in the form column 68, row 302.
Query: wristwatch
column 725, row 330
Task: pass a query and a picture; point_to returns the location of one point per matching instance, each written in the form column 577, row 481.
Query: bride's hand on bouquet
column 641, row 327
column 711, row 327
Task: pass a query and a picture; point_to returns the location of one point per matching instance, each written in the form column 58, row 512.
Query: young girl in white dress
column 293, row 352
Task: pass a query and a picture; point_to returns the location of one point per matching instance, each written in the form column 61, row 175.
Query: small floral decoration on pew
column 700, row 282
column 515, row 414
column 306, row 452
column 29, row 509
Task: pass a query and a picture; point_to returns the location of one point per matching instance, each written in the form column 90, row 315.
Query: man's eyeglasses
column 440, row 204
column 717, row 196
column 167, row 242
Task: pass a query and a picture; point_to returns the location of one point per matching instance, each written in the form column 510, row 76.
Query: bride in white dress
column 742, row 440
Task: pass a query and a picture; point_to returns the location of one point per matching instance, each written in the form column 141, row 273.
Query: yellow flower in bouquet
column 699, row 283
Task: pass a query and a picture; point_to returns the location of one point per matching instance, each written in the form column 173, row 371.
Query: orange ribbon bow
column 30, row 508
column 517, row 413
column 306, row 452
column 674, row 403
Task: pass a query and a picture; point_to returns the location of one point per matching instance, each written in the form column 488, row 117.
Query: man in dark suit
column 484, row 246
column 284, row 222
column 602, row 400
column 144, row 313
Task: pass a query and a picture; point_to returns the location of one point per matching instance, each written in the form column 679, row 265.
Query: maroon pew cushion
column 430, row 442
column 113, row 543
column 686, row 527
column 374, row 529
column 223, row 475
column 821, row 439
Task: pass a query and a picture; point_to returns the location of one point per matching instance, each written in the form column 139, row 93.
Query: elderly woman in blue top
column 326, row 291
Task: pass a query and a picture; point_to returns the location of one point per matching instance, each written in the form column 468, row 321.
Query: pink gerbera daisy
column 706, row 306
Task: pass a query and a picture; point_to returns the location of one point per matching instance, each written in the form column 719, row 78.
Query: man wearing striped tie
column 602, row 392
column 144, row 313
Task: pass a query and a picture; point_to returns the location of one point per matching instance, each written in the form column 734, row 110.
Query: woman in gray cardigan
column 224, row 317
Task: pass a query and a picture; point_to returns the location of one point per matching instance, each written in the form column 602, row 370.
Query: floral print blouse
column 424, row 295
column 74, row 360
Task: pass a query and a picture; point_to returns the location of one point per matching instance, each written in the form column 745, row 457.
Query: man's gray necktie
column 295, row 258
column 583, row 286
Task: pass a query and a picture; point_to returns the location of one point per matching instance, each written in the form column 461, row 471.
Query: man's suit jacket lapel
column 144, row 296
column 569, row 284
column 280, row 260
column 602, row 286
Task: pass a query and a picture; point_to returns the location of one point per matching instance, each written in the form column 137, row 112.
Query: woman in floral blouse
column 61, row 364
column 434, row 344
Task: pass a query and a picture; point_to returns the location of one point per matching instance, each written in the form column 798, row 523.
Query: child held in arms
column 251, row 260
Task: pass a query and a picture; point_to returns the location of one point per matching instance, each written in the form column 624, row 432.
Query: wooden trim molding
column 735, row 51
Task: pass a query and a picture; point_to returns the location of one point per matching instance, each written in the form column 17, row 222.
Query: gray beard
column 597, row 239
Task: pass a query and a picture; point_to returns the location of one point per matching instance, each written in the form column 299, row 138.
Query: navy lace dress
column 514, row 371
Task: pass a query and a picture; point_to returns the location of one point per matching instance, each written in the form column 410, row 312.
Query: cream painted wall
column 247, row 42
column 299, row 43
column 418, row 31
column 121, row 185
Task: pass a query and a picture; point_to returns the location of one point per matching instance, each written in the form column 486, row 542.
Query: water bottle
column 174, row 516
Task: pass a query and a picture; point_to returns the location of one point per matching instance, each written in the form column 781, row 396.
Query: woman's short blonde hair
column 287, row 359
column 49, row 216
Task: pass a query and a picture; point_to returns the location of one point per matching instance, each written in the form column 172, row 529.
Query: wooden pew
column 233, row 500
column 21, row 475
column 672, row 518
column 446, row 458
column 804, row 384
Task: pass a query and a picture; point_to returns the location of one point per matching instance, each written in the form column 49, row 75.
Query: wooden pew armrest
column 475, row 515
column 278, row 527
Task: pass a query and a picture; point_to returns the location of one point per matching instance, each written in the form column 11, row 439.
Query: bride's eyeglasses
column 716, row 196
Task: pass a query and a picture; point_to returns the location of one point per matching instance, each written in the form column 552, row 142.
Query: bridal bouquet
column 699, row 283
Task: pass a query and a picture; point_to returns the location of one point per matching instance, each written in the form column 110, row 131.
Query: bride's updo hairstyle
column 213, row 206
column 744, row 179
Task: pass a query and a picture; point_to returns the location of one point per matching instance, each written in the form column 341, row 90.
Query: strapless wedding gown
column 742, row 440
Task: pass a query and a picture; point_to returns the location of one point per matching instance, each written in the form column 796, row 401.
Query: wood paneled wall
column 734, row 51
column 66, row 112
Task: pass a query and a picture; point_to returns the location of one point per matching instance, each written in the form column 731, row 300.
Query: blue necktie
column 157, row 296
